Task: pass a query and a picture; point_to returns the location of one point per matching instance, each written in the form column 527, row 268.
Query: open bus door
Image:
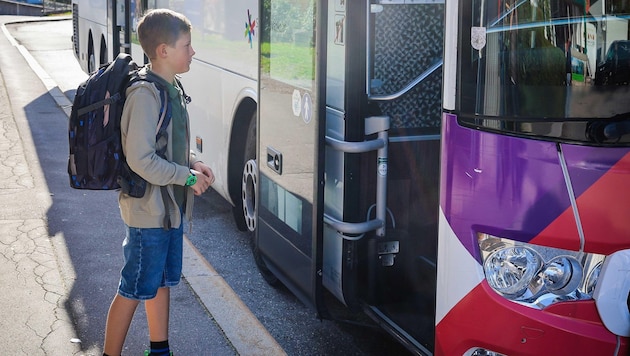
column 119, row 11
column 374, row 71
column 382, row 162
column 123, row 18
column 290, row 143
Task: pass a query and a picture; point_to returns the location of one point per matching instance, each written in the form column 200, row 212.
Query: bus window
column 537, row 52
column 407, row 42
column 290, row 58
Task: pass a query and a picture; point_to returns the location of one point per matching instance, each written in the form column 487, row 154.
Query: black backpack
column 96, row 159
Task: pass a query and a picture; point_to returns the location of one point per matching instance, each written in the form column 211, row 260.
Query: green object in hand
column 191, row 180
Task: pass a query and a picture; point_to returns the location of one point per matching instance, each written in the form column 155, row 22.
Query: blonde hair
column 161, row 26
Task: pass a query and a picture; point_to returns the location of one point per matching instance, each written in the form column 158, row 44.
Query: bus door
column 406, row 86
column 381, row 201
column 288, row 231
column 124, row 16
column 119, row 13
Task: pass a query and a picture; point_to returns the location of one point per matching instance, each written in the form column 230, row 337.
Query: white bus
column 222, row 81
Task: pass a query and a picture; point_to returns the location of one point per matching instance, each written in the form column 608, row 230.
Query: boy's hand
column 205, row 178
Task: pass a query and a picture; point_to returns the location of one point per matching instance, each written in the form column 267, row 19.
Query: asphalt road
column 92, row 231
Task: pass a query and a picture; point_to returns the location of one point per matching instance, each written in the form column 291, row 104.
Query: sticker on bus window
column 478, row 37
column 339, row 29
column 382, row 166
column 296, row 102
column 340, row 5
column 307, row 108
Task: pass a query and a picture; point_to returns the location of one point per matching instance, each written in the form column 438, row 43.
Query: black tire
column 244, row 207
column 103, row 54
column 245, row 210
column 91, row 65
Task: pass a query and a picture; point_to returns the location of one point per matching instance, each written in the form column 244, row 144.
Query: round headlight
column 562, row 275
column 510, row 270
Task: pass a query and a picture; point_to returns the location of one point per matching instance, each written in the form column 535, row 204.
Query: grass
column 287, row 61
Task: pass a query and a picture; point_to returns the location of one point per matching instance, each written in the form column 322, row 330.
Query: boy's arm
column 138, row 126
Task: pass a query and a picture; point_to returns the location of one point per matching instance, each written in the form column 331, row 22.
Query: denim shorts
column 153, row 259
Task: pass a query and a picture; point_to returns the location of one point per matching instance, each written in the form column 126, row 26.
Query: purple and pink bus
column 534, row 249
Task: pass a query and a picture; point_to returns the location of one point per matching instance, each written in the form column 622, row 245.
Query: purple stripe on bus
column 505, row 186
column 587, row 164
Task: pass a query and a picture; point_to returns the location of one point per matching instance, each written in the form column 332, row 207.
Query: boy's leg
column 158, row 315
column 118, row 320
column 158, row 308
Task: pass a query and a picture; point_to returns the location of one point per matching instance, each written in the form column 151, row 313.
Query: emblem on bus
column 478, row 37
column 250, row 29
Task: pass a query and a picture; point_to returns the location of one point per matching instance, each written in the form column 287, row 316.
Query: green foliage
column 288, row 17
column 287, row 39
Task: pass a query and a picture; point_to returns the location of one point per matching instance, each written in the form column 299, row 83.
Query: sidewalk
column 34, row 320
column 47, row 231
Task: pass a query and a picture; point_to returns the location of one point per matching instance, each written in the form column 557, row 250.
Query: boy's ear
column 162, row 50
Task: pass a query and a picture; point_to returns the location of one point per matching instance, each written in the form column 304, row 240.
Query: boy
column 152, row 247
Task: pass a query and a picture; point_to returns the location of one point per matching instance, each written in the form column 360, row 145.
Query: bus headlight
column 562, row 275
column 510, row 270
column 537, row 276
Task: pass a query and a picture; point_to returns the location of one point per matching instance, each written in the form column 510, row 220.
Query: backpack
column 96, row 159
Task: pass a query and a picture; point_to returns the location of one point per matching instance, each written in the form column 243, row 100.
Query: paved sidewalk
column 34, row 320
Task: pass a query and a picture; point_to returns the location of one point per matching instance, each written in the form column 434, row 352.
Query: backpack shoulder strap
column 165, row 113
column 165, row 104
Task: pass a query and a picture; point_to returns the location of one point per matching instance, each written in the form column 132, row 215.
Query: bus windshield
column 547, row 61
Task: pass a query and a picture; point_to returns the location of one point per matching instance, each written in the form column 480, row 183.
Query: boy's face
column 180, row 55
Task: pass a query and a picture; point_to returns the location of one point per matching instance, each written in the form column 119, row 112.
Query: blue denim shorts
column 153, row 259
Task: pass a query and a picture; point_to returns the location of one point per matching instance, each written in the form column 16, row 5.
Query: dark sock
column 160, row 348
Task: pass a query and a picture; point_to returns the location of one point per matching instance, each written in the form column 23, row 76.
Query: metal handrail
column 358, row 228
column 373, row 125
column 409, row 86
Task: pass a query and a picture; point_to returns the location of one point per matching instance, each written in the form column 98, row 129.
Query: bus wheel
column 244, row 210
column 91, row 57
column 250, row 185
column 103, row 59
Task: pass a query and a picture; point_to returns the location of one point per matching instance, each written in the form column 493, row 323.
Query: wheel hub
column 248, row 189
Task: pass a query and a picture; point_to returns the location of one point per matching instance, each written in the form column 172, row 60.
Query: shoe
column 148, row 353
